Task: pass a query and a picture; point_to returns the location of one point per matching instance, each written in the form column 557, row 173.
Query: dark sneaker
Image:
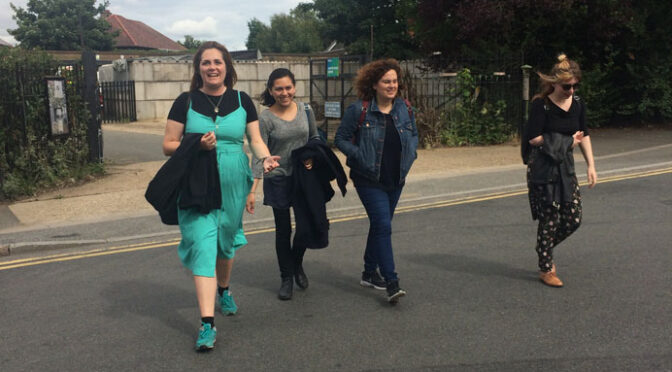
column 300, row 278
column 206, row 337
column 286, row 289
column 394, row 292
column 372, row 279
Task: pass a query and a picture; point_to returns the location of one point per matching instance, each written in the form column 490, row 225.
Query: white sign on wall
column 332, row 109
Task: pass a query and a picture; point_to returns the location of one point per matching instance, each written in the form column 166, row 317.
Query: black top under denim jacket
column 312, row 190
column 190, row 176
column 365, row 145
column 390, row 163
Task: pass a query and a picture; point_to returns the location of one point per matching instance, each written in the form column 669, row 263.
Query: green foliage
column 623, row 46
column 62, row 25
column 473, row 121
column 29, row 158
column 298, row 32
column 350, row 21
column 190, row 42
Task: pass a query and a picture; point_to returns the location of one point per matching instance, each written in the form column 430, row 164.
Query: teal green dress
column 218, row 234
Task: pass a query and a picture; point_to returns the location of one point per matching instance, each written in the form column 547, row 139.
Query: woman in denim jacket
column 379, row 137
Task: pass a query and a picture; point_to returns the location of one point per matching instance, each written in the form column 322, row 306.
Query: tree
column 257, row 31
column 190, row 42
column 62, row 25
column 623, row 46
column 296, row 32
column 350, row 22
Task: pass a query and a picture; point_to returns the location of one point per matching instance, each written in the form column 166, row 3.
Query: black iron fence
column 118, row 101
column 441, row 91
column 43, row 123
column 23, row 102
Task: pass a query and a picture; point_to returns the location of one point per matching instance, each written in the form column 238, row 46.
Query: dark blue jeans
column 379, row 205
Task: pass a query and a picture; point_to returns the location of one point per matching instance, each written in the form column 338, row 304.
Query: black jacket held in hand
column 554, row 167
column 191, row 174
column 312, row 190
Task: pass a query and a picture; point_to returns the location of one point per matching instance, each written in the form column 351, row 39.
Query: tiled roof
column 135, row 34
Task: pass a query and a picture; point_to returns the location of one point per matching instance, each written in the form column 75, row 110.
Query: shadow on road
column 150, row 300
column 470, row 265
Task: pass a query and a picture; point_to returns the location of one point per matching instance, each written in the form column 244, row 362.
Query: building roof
column 242, row 55
column 135, row 34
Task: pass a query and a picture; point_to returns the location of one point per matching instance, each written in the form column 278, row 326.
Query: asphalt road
column 128, row 148
column 474, row 302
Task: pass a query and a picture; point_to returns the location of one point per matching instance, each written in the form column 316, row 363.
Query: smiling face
column 212, row 68
column 387, row 87
column 283, row 91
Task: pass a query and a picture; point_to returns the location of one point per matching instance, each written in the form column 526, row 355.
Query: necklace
column 215, row 107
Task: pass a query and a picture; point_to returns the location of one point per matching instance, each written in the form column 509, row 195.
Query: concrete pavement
column 113, row 209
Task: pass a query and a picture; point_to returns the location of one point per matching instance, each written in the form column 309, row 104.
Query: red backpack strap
column 362, row 116
column 409, row 108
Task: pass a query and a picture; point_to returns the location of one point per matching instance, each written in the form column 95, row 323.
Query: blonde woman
column 556, row 125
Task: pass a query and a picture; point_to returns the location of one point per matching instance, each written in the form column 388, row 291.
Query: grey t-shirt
column 282, row 137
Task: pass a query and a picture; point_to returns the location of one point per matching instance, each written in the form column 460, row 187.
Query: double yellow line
column 13, row 264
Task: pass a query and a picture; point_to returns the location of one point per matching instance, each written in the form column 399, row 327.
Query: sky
column 224, row 21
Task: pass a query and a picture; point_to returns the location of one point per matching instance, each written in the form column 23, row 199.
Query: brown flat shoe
column 550, row 278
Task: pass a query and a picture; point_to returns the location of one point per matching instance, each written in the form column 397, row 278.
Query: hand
column 308, row 163
column 592, row 176
column 270, row 163
column 249, row 204
column 578, row 136
column 537, row 141
column 208, row 141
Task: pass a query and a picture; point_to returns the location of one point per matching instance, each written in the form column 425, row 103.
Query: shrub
column 473, row 121
column 30, row 159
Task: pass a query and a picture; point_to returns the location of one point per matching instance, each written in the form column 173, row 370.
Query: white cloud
column 205, row 28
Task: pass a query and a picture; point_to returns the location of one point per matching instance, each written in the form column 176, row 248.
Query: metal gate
column 331, row 90
column 118, row 101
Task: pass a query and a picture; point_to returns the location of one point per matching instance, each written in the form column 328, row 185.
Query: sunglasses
column 568, row 86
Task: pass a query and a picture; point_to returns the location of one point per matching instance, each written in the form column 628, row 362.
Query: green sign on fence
column 332, row 67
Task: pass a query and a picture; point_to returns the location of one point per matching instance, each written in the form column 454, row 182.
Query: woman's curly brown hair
column 371, row 73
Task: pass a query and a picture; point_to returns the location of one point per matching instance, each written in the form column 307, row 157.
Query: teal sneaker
column 227, row 304
column 206, row 337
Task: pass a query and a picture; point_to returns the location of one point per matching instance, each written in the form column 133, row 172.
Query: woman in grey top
column 285, row 126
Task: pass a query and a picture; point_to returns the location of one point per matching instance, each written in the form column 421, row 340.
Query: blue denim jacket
column 365, row 154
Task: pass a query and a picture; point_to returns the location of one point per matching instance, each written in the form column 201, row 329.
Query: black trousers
column 290, row 259
column 556, row 223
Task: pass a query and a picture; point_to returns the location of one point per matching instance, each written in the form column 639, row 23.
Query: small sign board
column 332, row 67
column 58, row 109
column 332, row 109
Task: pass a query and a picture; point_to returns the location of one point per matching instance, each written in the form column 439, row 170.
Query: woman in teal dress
column 224, row 116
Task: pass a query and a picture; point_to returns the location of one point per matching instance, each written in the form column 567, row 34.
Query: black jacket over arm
column 312, row 190
column 554, row 167
column 191, row 175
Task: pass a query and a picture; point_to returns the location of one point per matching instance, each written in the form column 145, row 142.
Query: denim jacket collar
column 374, row 105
